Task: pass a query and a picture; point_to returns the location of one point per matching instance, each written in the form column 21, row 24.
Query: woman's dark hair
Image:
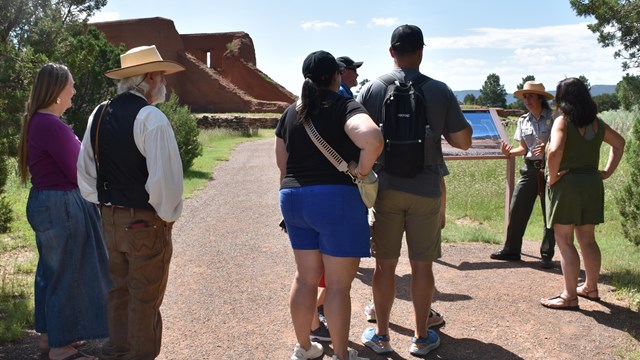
column 309, row 102
column 318, row 70
column 544, row 102
column 575, row 102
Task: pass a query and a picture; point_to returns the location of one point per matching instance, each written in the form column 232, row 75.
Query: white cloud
column 350, row 22
column 105, row 16
column 318, row 25
column 533, row 53
column 550, row 53
column 573, row 35
column 388, row 22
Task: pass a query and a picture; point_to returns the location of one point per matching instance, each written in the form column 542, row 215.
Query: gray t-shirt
column 444, row 116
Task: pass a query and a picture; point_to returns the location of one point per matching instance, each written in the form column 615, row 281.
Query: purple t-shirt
column 52, row 153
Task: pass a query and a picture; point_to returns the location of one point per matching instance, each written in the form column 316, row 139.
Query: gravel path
column 231, row 271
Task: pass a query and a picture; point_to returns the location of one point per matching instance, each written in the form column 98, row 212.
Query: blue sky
column 466, row 40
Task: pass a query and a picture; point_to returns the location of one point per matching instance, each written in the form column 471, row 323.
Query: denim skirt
column 72, row 276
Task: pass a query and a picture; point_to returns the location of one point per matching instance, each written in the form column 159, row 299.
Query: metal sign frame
column 488, row 132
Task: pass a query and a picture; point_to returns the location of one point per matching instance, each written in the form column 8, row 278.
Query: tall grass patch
column 18, row 257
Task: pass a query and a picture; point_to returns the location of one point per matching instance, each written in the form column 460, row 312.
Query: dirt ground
column 231, row 271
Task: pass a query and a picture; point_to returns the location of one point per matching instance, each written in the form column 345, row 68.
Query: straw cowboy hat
column 532, row 87
column 141, row 60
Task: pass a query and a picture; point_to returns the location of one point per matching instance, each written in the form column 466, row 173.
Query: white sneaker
column 315, row 351
column 353, row 355
column 370, row 313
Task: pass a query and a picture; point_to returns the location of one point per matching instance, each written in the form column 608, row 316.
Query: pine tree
column 629, row 199
column 493, row 93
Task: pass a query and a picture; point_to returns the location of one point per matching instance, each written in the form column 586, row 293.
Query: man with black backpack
column 414, row 112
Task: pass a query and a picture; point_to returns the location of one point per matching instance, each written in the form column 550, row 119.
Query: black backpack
column 404, row 123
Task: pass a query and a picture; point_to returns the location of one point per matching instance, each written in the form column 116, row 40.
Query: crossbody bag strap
column 326, row 149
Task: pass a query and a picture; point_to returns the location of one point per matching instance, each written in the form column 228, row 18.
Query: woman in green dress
column 575, row 194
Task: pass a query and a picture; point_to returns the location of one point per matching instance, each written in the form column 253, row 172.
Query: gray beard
column 158, row 95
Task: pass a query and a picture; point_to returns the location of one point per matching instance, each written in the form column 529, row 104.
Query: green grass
column 18, row 254
column 475, row 201
column 17, row 266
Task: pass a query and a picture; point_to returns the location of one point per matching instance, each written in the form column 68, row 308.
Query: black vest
column 122, row 169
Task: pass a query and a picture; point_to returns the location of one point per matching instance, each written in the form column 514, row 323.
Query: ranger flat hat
column 532, row 87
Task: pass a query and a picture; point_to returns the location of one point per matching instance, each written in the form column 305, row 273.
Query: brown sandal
column 44, row 347
column 563, row 304
column 587, row 294
column 79, row 355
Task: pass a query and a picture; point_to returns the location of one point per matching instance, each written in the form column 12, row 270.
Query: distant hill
column 602, row 89
column 595, row 90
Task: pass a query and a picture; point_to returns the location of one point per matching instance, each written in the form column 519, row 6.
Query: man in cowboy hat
column 129, row 164
column 532, row 133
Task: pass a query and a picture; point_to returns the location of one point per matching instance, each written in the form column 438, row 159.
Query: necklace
column 47, row 112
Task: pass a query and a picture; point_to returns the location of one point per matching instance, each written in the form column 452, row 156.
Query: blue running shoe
column 422, row 346
column 378, row 343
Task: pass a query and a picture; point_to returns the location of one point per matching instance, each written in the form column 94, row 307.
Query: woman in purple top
column 72, row 278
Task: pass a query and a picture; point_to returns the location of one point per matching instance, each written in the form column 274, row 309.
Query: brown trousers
column 139, row 246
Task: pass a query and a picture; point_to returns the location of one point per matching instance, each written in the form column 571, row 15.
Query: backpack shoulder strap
column 387, row 79
column 417, row 84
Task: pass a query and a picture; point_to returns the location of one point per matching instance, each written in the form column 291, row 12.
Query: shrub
column 607, row 102
column 88, row 55
column 6, row 214
column 628, row 91
column 185, row 128
column 629, row 198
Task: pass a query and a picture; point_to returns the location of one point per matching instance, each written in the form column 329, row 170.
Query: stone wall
column 503, row 113
column 246, row 124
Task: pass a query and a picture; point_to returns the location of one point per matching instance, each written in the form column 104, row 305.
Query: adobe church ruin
column 230, row 83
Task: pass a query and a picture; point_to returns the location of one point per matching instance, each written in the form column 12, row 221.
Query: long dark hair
column 49, row 82
column 309, row 102
column 575, row 102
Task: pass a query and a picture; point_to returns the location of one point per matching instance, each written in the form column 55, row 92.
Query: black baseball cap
column 319, row 64
column 407, row 38
column 348, row 62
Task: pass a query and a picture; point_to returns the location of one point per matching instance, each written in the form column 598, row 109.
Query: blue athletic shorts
column 331, row 218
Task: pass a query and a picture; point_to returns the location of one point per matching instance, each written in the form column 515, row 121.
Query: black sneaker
column 320, row 334
column 503, row 255
column 321, row 316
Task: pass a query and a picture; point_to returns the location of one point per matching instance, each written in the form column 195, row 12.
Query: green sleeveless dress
column 578, row 197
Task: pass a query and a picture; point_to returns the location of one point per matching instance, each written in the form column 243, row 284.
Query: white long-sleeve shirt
column 154, row 138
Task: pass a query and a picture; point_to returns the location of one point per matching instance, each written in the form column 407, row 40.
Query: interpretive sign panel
column 487, row 134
